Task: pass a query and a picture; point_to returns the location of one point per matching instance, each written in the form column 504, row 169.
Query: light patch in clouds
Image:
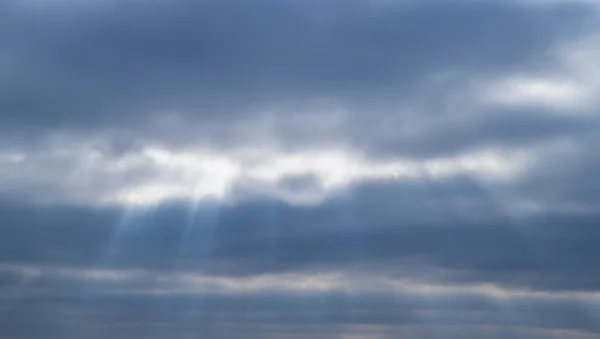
column 548, row 93
column 570, row 87
column 194, row 176
column 154, row 174
column 12, row 157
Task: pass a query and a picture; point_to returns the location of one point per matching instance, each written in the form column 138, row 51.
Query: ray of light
column 501, row 203
column 195, row 248
column 200, row 224
column 125, row 226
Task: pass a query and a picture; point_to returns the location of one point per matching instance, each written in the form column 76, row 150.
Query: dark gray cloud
column 358, row 231
column 120, row 66
column 505, row 127
column 57, row 309
column 564, row 179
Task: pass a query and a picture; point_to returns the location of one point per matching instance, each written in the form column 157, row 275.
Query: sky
column 351, row 169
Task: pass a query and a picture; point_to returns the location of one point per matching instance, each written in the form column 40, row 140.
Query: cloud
column 90, row 174
column 116, row 87
column 91, row 66
column 352, row 169
column 448, row 237
column 264, row 305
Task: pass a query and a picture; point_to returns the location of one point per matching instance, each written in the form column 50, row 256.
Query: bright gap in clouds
column 200, row 174
column 153, row 174
column 550, row 93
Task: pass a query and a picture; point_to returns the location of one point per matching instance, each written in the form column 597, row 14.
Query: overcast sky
column 352, row 169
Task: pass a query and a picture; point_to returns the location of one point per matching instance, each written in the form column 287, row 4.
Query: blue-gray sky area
column 352, row 169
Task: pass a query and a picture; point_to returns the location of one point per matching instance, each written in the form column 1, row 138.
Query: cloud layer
column 299, row 169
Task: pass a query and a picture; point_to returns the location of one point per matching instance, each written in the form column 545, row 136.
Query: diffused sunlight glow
column 194, row 176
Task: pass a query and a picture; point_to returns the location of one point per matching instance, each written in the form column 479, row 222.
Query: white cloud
column 84, row 173
column 571, row 86
column 531, row 91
